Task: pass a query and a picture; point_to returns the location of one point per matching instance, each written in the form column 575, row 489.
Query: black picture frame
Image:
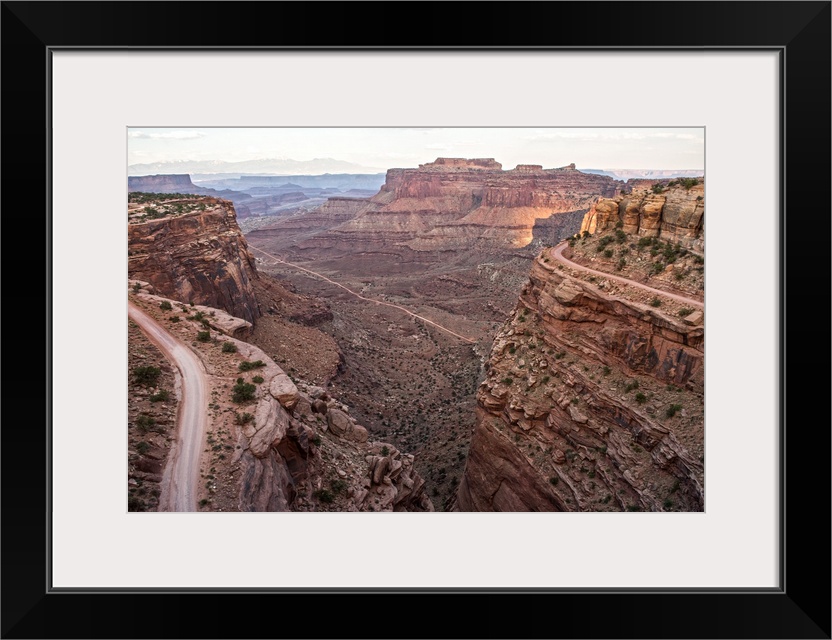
column 799, row 608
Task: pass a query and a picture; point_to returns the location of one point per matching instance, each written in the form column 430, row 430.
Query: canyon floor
column 408, row 381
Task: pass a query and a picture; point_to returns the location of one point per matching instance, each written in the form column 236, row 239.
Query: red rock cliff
column 591, row 402
column 199, row 255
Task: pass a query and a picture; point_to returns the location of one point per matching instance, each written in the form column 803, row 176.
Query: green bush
column 688, row 183
column 257, row 379
column 641, row 398
column 146, row 376
column 164, row 305
column 606, row 370
column 145, row 422
column 243, row 418
column 174, row 318
column 245, row 365
column 229, row 347
column 242, row 391
column 142, row 448
column 608, row 253
column 657, row 188
column 203, row 336
column 507, row 380
column 324, row 495
column 622, row 262
column 672, row 410
column 633, row 384
column 655, row 302
column 137, row 287
column 160, row 396
column 685, row 311
column 385, row 451
column 554, row 480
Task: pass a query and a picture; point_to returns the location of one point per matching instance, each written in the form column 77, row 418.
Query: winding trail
column 358, row 295
column 181, row 475
column 557, row 253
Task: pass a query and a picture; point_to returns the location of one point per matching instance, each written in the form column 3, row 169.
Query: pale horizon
column 379, row 149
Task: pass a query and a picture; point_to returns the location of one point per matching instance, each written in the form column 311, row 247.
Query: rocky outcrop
column 164, row 183
column 591, row 402
column 451, row 204
column 671, row 211
column 199, row 256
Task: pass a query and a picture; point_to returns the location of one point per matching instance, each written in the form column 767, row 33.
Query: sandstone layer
column 451, row 204
column 198, row 256
column 591, row 402
column 673, row 213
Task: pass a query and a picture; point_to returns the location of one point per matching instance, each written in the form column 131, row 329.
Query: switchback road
column 557, row 254
column 182, row 470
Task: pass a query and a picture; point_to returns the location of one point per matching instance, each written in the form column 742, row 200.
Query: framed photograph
column 754, row 77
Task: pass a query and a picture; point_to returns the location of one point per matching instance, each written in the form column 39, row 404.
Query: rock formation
column 199, row 255
column 165, row 183
column 591, row 402
column 450, row 204
column 673, row 212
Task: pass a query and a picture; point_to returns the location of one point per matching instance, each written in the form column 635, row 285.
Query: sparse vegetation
column 203, row 336
column 633, row 384
column 145, row 422
column 672, row 410
column 655, row 302
column 229, row 347
column 160, row 396
column 257, row 379
column 641, row 398
column 241, row 419
column 164, row 305
column 685, row 311
column 142, row 447
column 242, row 391
column 146, row 376
column 554, row 480
column 245, row 365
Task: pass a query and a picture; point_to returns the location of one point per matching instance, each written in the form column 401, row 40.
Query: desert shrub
column 641, row 398
column 243, row 418
column 164, row 305
column 672, row 410
column 146, row 376
column 657, row 188
column 242, row 391
column 688, row 183
column 608, row 253
column 385, row 451
column 257, row 379
column 229, row 347
column 622, row 262
column 507, row 380
column 145, row 422
column 655, row 302
column 685, row 311
column 203, row 336
column 606, row 370
column 137, row 287
column 633, row 384
column 324, row 495
column 160, row 396
column 554, row 480
column 142, row 447
column 245, row 365
column 174, row 318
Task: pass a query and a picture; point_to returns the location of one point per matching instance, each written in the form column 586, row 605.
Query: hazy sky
column 384, row 148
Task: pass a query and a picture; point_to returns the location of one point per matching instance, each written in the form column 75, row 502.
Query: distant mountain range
column 282, row 166
column 647, row 174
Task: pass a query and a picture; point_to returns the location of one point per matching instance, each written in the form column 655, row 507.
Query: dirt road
column 557, row 254
column 179, row 483
column 358, row 295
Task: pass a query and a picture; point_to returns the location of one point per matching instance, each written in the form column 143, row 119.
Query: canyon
column 468, row 338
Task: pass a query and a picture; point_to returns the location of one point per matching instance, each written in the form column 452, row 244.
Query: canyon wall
column 591, row 402
column 199, row 256
column 673, row 213
column 452, row 204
